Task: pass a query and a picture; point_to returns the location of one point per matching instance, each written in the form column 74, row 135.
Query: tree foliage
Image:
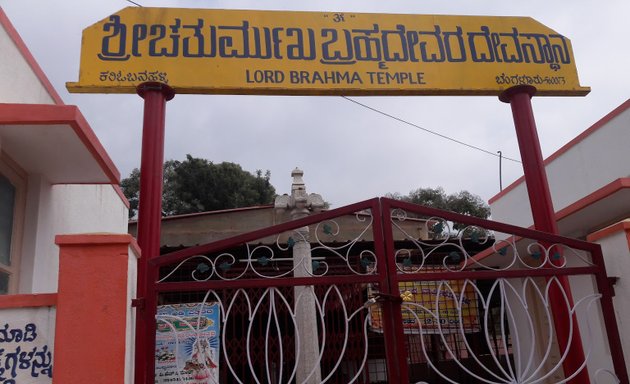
column 199, row 185
column 462, row 202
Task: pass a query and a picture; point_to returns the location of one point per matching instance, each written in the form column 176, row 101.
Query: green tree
column 199, row 185
column 462, row 202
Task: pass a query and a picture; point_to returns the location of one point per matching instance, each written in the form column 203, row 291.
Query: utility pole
column 500, row 176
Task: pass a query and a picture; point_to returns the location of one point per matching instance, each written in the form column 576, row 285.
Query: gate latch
column 138, row 303
column 380, row 297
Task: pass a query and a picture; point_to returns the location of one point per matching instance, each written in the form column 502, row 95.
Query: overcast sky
column 348, row 153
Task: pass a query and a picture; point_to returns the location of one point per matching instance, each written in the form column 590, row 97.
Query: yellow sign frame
column 211, row 51
column 432, row 307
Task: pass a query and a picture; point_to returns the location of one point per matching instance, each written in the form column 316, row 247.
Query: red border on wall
column 593, row 198
column 50, row 114
column 579, row 138
column 26, row 301
column 611, row 230
column 21, row 46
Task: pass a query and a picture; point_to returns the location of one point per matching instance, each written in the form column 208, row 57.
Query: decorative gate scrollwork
column 391, row 292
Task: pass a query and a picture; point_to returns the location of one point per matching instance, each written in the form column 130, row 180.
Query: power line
column 428, row 130
column 410, row 123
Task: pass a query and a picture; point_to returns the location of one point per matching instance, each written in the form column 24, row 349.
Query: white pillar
column 301, row 205
column 306, row 314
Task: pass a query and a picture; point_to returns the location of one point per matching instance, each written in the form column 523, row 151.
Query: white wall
column 51, row 209
column 19, row 83
column 587, row 166
column 63, row 209
column 591, row 324
column 590, row 164
column 37, row 194
column 55, row 209
column 130, row 336
column 616, row 252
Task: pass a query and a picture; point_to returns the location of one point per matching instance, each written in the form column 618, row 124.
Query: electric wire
column 410, row 123
column 428, row 130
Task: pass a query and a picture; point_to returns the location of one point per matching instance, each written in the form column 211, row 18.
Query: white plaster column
column 301, row 205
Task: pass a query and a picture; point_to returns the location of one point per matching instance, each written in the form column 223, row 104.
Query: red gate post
column 155, row 96
column 396, row 354
column 543, row 214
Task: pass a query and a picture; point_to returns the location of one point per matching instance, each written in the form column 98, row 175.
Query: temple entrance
column 460, row 302
column 380, row 291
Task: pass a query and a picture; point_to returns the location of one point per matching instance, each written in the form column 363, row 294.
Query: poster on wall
column 26, row 345
column 433, row 306
column 187, row 343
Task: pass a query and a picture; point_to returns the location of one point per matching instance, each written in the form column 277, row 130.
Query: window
column 12, row 200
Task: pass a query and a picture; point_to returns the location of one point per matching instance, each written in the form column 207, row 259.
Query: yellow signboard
column 315, row 53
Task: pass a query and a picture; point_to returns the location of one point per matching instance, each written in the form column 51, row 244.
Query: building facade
column 67, row 264
column 589, row 181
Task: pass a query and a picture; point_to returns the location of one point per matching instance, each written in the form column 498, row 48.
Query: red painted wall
column 92, row 307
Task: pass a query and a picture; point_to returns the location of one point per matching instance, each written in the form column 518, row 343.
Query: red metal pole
column 395, row 347
column 544, row 220
column 155, row 96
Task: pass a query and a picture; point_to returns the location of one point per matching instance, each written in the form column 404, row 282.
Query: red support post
column 396, row 353
column 543, row 214
column 155, row 96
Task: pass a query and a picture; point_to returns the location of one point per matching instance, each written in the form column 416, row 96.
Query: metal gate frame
column 384, row 215
column 548, row 267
